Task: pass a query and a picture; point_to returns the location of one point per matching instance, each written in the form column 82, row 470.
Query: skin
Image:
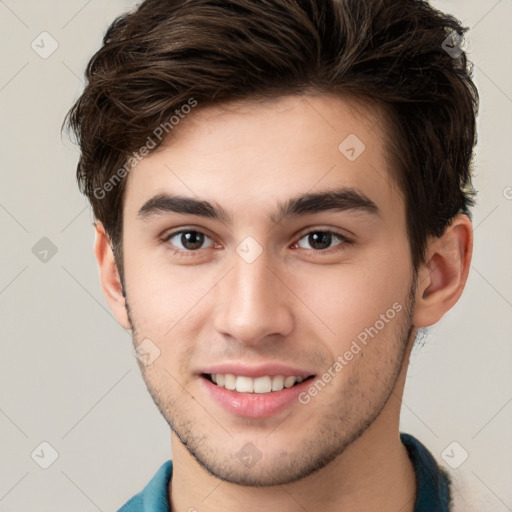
column 341, row 451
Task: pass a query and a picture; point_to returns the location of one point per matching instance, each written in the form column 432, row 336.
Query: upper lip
column 270, row 369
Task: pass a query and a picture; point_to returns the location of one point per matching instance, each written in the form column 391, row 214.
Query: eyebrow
column 339, row 199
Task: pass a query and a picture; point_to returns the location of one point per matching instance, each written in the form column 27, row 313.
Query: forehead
column 248, row 155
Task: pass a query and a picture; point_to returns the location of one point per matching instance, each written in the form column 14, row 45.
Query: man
column 282, row 193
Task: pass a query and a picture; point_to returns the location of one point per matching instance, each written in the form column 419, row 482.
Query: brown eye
column 187, row 240
column 321, row 240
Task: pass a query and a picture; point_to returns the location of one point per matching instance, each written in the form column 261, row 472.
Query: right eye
column 190, row 240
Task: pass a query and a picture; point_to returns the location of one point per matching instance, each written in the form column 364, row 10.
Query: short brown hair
column 390, row 52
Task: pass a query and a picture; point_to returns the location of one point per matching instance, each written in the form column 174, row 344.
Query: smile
column 259, row 385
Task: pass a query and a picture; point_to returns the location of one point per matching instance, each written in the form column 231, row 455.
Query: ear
column 109, row 276
column 442, row 279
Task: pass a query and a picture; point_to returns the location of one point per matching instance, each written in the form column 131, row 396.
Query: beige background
column 67, row 372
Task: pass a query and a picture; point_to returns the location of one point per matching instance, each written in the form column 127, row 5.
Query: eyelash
column 185, row 253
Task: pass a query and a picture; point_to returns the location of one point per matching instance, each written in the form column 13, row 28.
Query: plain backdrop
column 68, row 376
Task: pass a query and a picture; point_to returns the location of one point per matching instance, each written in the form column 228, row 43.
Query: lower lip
column 254, row 405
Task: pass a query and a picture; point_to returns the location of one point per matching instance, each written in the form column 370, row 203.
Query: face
column 271, row 279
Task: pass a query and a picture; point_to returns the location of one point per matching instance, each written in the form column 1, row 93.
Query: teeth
column 277, row 383
column 289, row 382
column 244, row 385
column 260, row 385
column 230, row 382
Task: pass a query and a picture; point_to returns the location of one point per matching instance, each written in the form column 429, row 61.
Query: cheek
column 165, row 299
column 349, row 298
column 154, row 293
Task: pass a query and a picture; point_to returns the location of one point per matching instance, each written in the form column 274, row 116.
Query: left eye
column 319, row 239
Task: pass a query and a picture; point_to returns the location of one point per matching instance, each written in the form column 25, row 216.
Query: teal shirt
column 433, row 484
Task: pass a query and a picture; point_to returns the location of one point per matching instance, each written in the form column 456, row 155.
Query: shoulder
column 433, row 482
column 472, row 492
column 153, row 498
column 467, row 490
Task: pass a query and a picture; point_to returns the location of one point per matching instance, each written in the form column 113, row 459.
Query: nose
column 254, row 304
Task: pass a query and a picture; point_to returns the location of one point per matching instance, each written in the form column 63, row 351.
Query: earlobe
column 109, row 276
column 443, row 278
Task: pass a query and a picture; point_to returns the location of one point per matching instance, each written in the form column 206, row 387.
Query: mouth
column 257, row 386
column 260, row 397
